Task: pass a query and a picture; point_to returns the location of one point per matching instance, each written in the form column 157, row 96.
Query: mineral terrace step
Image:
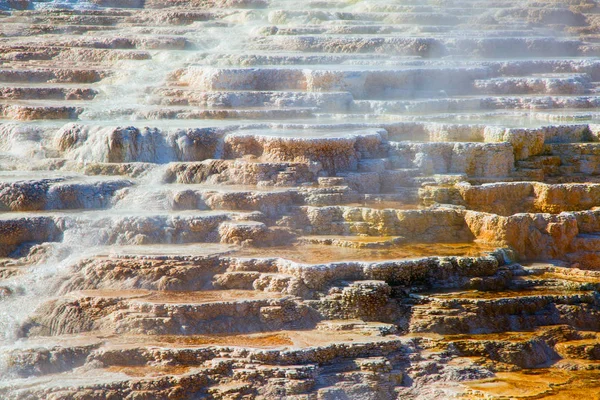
column 30, row 113
column 309, row 348
column 26, row 229
column 455, row 313
column 56, row 93
column 276, row 271
column 30, row 195
column 259, row 199
column 54, row 75
column 234, row 311
column 426, row 47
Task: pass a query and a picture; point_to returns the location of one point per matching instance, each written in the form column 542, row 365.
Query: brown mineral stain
column 356, row 239
column 181, row 297
column 504, row 336
column 321, row 253
column 477, row 294
column 571, row 277
column 208, row 296
column 150, row 370
column 539, row 384
column 253, row 340
column 382, row 205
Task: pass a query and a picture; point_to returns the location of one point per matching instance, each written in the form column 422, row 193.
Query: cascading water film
column 299, row 200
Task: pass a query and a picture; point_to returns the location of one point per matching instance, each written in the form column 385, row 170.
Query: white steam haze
column 292, row 68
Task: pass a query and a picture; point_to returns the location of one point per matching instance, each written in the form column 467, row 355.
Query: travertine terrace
column 320, row 199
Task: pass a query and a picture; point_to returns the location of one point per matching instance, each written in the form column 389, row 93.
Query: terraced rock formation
column 274, row 199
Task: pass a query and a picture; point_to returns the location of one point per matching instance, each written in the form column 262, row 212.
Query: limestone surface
column 318, row 200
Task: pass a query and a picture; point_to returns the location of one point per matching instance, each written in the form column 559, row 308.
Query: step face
column 329, row 199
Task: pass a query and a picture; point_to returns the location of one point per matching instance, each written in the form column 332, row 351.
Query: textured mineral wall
column 318, row 200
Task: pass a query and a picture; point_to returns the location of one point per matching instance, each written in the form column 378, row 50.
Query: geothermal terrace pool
column 273, row 199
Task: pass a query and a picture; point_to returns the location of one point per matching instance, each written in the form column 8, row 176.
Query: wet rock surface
column 267, row 199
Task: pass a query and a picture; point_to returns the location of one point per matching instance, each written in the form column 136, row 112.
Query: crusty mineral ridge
column 305, row 200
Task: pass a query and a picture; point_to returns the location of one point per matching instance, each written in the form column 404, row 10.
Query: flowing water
column 288, row 190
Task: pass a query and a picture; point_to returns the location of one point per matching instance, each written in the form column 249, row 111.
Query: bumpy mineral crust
column 304, row 200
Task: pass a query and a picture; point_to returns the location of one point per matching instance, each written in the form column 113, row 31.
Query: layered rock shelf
column 318, row 200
